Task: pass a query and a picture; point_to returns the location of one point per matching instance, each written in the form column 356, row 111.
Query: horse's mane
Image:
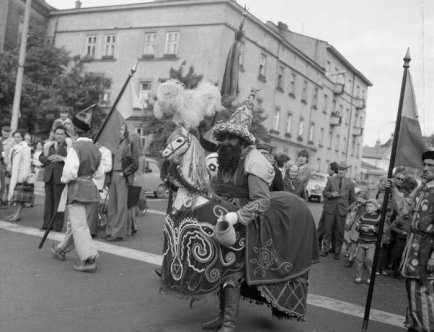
column 198, row 174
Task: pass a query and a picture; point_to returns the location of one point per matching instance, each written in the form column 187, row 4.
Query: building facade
column 12, row 20
column 313, row 97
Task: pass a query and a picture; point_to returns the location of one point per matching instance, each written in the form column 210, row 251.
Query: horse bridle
column 173, row 150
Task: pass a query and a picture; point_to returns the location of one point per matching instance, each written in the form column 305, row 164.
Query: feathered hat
column 239, row 123
column 188, row 107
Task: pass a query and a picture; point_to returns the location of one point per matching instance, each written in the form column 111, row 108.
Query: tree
column 52, row 79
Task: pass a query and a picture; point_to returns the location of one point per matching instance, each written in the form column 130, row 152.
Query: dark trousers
column 397, row 249
column 53, row 191
column 334, row 226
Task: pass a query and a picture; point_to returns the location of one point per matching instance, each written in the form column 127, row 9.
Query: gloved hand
column 232, row 218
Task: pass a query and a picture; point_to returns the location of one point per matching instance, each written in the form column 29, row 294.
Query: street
column 39, row 293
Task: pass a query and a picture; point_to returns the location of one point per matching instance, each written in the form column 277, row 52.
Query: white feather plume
column 188, row 107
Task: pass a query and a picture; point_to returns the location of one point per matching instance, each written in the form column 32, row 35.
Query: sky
column 373, row 35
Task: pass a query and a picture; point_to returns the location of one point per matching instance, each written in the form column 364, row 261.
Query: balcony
column 338, row 88
column 357, row 131
column 359, row 103
column 335, row 119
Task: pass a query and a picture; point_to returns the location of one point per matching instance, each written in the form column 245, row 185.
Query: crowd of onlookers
column 26, row 163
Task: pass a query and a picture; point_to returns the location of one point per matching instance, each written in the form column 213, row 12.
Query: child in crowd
column 351, row 235
column 65, row 121
column 367, row 228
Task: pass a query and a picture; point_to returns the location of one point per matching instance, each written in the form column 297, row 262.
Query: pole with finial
column 406, row 65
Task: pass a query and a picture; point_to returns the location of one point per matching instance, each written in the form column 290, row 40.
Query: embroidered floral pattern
column 266, row 259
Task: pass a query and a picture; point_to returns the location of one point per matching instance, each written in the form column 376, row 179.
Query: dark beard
column 228, row 158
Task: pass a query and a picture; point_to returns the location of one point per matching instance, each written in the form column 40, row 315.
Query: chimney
column 282, row 26
column 78, row 4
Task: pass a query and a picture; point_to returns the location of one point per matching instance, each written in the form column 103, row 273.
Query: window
column 292, row 85
column 289, row 124
column 338, row 142
column 358, row 150
column 172, row 41
column 326, row 102
column 344, row 148
column 149, row 48
column 358, row 91
column 91, row 46
column 347, row 116
column 330, row 139
column 142, row 133
column 304, row 92
column 300, row 128
column 310, row 133
column 318, row 164
column 353, row 147
column 341, row 110
column 280, row 77
column 334, row 110
column 321, row 137
column 315, row 98
column 262, row 63
column 109, row 45
column 276, row 119
column 145, row 92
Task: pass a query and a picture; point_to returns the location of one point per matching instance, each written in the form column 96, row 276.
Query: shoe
column 87, row 266
column 324, row 253
column 114, row 239
column 384, row 273
column 336, row 256
column 58, row 253
column 105, row 237
column 158, row 272
column 349, row 263
column 358, row 280
column 368, row 281
column 15, row 219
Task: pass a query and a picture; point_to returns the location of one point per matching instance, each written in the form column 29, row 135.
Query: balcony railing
column 360, row 103
column 338, row 88
column 335, row 119
column 357, row 131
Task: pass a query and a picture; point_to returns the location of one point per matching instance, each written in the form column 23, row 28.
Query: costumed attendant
column 83, row 162
column 417, row 264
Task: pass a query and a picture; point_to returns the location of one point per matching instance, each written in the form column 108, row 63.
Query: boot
column 232, row 303
column 217, row 322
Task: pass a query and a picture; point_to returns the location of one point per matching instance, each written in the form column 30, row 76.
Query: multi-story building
column 313, row 97
column 12, row 20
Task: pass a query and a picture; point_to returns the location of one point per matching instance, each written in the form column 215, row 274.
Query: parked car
column 315, row 186
column 153, row 185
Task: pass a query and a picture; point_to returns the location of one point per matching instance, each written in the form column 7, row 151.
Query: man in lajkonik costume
column 275, row 234
column 417, row 263
column 83, row 162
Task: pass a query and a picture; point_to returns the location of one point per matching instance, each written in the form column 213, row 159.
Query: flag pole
column 406, row 65
column 115, row 103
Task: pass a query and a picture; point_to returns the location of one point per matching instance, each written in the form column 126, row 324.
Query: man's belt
column 421, row 233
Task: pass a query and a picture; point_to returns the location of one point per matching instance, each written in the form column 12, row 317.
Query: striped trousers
column 420, row 310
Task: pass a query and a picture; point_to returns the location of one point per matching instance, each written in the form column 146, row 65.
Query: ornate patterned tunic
column 420, row 242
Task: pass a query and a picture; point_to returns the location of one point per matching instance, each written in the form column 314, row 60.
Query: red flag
column 410, row 143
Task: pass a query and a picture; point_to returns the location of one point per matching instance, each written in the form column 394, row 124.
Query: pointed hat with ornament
column 239, row 123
